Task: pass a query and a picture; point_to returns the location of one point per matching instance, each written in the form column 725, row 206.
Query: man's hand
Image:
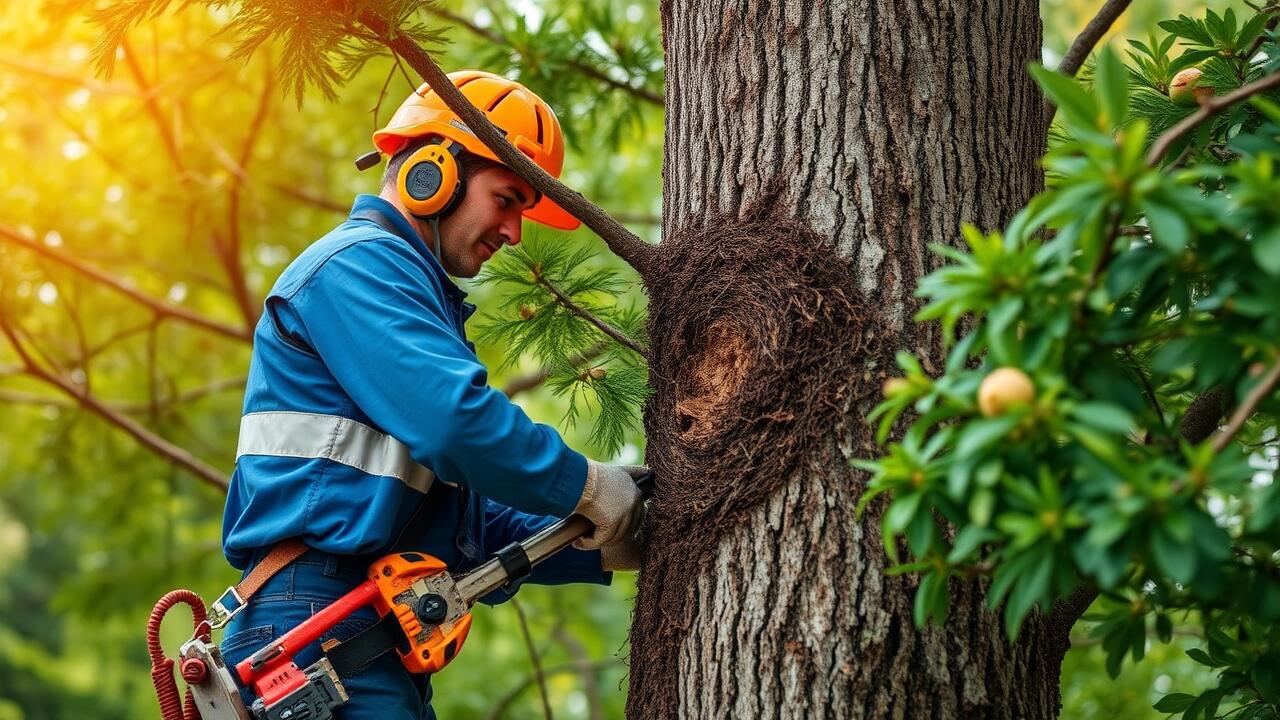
column 611, row 501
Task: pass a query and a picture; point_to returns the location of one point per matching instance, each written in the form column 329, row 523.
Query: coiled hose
column 171, row 705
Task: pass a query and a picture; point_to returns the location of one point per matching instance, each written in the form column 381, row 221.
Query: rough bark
column 882, row 126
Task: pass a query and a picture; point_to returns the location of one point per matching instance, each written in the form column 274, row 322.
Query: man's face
column 487, row 218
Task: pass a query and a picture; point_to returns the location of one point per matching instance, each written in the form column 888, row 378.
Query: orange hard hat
column 529, row 123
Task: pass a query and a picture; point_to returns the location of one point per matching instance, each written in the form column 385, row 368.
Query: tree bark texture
column 881, row 125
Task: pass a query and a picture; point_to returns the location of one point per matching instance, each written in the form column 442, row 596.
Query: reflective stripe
column 342, row 440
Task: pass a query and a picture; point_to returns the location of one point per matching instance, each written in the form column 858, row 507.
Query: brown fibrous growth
column 760, row 350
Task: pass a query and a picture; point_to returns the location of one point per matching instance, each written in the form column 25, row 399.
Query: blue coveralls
column 365, row 404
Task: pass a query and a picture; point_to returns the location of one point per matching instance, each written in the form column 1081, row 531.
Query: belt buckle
column 219, row 615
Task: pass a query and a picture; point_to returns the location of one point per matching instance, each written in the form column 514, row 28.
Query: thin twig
column 604, row 327
column 593, row 666
column 590, row 684
column 148, row 439
column 1245, row 411
column 625, row 244
column 131, row 408
column 582, row 67
column 1084, row 43
column 533, row 658
column 230, row 253
column 153, row 107
column 88, row 83
column 1146, row 386
column 317, row 201
column 157, row 306
column 525, row 383
column 1207, row 110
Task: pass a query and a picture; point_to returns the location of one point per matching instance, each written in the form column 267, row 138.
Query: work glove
column 611, row 501
column 623, row 555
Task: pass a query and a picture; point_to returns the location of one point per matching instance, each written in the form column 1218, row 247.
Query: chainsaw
column 425, row 611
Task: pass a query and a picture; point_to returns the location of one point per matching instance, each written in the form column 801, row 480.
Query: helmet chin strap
column 434, row 223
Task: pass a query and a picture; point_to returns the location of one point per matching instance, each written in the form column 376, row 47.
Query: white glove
column 622, row 555
column 611, row 501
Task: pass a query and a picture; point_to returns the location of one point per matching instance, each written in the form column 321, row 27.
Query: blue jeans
column 384, row 690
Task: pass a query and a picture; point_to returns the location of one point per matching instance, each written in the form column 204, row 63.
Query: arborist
column 369, row 426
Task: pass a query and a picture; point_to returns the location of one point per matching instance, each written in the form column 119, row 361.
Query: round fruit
column 1185, row 88
column 1003, row 389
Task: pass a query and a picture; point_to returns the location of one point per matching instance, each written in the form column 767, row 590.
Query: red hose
column 161, row 666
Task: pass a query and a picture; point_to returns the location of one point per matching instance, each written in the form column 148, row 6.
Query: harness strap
column 284, row 552
column 351, row 657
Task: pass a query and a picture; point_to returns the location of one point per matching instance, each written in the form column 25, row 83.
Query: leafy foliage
column 1122, row 292
column 551, row 286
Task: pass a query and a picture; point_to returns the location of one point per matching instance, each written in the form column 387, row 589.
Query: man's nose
column 511, row 232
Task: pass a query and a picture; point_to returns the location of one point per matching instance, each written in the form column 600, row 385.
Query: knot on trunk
column 760, row 341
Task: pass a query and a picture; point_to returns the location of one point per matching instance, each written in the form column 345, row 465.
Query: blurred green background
column 151, row 176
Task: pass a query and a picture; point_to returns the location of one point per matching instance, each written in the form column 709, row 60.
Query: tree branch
column 230, row 253
column 525, row 383
column 582, row 67
column 131, row 408
column 1084, row 43
column 159, row 307
column 1207, row 110
column 316, row 201
column 533, row 658
column 604, row 327
column 149, row 440
column 625, row 244
column 153, row 107
column 1245, row 411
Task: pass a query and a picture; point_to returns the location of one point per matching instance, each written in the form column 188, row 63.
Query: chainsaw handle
column 537, row 547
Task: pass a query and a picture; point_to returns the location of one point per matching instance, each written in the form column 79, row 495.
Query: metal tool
column 432, row 614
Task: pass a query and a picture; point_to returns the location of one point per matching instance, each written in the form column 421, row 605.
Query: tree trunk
column 815, row 138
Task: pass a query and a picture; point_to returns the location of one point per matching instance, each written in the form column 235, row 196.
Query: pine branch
column 148, row 439
column 604, row 327
column 159, row 307
column 525, row 383
column 582, row 67
column 1207, row 110
column 621, row 241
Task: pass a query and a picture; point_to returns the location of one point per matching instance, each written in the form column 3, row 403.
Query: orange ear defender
column 430, row 181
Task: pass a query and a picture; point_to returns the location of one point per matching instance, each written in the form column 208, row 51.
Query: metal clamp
column 219, row 615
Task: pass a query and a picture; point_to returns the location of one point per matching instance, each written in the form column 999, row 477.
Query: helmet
column 529, row 124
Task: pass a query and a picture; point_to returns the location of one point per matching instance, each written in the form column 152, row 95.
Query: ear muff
column 430, row 181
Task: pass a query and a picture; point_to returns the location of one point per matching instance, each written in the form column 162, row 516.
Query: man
column 369, row 426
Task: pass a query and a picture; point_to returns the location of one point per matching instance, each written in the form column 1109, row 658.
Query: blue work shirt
column 366, row 325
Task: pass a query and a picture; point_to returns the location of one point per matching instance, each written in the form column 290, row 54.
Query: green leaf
column 1030, row 588
column 968, row 540
column 1174, row 702
column 979, row 435
column 1175, row 559
column 1104, row 416
column 981, row 505
column 1266, row 250
column 1168, row 228
column 901, row 511
column 921, row 532
column 1078, row 108
column 1111, row 81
